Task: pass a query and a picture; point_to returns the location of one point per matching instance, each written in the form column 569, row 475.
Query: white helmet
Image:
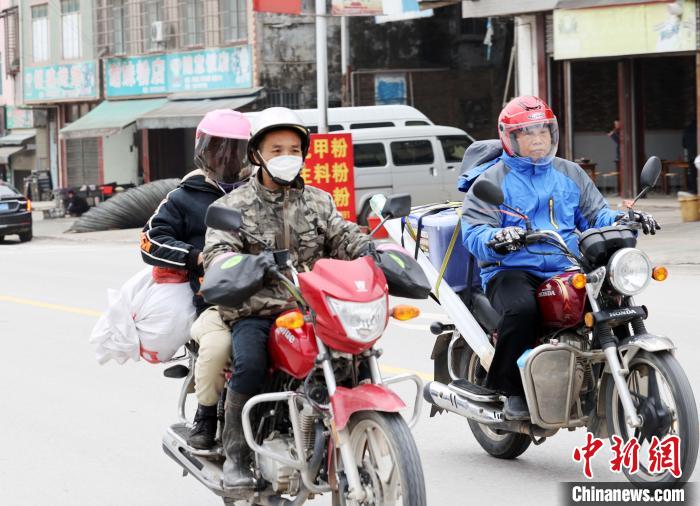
column 276, row 118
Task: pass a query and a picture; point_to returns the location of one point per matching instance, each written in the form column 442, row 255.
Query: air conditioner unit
column 157, row 31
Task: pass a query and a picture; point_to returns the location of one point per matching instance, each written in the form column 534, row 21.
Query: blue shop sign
column 206, row 70
column 69, row 81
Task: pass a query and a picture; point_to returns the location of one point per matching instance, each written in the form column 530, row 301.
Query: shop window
column 369, row 155
column 234, row 20
column 40, row 33
column 192, row 23
column 412, row 152
column 70, row 29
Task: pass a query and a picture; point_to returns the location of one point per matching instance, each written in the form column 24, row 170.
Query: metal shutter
column 82, row 155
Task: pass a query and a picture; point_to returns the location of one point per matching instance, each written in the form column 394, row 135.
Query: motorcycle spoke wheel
column 664, row 399
column 388, row 460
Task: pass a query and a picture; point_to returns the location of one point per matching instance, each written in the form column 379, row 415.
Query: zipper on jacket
column 285, row 222
column 551, row 213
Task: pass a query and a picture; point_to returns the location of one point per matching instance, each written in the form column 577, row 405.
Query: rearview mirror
column 488, row 192
column 397, row 206
column 223, row 218
column 650, row 172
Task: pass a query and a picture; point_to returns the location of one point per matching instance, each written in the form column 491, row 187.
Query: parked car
column 356, row 118
column 421, row 160
column 15, row 213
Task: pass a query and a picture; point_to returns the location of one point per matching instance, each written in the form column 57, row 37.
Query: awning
column 485, row 8
column 582, row 4
column 110, row 117
column 188, row 113
column 7, row 152
column 17, row 138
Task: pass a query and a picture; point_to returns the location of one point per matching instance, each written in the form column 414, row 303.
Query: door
column 416, row 170
column 451, row 151
column 372, row 174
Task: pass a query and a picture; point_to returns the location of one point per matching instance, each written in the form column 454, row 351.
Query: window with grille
column 234, row 20
column 192, row 23
column 120, row 27
column 155, row 26
column 10, row 19
column 70, row 29
column 40, row 33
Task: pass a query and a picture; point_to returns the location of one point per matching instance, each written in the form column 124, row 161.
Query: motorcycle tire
column 499, row 444
column 402, row 450
column 686, row 422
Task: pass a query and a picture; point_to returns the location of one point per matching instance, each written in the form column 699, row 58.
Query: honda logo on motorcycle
column 361, row 286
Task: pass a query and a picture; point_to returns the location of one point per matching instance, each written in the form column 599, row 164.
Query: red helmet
column 528, row 114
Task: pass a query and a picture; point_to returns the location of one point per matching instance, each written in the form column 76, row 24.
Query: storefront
column 632, row 63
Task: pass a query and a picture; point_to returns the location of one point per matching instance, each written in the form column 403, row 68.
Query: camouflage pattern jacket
column 300, row 218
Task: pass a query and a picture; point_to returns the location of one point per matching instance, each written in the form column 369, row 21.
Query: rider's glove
column 649, row 224
column 511, row 239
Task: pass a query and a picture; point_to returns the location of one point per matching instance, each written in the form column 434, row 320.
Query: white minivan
column 421, row 160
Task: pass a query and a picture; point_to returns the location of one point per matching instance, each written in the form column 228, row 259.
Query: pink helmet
column 221, row 146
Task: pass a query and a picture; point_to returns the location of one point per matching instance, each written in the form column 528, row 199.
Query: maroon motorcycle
column 594, row 365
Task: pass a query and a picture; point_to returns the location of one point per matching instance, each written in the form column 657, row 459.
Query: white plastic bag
column 144, row 319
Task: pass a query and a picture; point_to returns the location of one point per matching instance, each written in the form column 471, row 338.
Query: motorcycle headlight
column 629, row 271
column 363, row 321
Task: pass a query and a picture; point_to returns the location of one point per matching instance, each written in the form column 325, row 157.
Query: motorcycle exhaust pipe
column 438, row 394
column 441, row 396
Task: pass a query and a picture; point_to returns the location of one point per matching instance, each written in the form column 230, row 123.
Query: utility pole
column 322, row 66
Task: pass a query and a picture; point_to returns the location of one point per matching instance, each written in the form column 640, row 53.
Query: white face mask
column 285, row 168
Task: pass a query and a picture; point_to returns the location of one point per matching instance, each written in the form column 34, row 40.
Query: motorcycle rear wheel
column 388, row 458
column 502, row 445
column 675, row 399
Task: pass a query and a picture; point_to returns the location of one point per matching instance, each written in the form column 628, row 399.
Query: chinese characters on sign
column 18, row 117
column 330, row 167
column 357, row 8
column 61, row 82
column 206, row 70
column 661, row 455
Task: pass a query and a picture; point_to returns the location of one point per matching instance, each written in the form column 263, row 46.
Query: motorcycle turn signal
column 291, row 320
column 578, row 281
column 659, row 273
column 404, row 312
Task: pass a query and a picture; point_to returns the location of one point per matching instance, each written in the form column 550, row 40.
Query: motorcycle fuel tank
column 561, row 305
column 293, row 351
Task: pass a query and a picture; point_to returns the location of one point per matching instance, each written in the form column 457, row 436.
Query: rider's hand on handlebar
column 647, row 222
column 508, row 239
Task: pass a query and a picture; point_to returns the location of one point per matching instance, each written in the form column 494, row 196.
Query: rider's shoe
column 237, row 472
column 515, row 408
column 203, row 433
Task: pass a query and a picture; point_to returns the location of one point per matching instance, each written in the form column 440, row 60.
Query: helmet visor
column 536, row 142
column 223, row 160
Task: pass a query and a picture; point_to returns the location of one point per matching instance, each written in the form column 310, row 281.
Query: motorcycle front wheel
column 664, row 399
column 502, row 445
column 388, row 460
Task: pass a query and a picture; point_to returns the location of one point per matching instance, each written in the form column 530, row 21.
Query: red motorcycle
column 595, row 364
column 326, row 421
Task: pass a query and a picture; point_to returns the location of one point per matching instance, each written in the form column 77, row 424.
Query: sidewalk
column 677, row 242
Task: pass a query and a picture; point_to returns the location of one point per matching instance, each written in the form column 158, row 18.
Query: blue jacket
column 558, row 196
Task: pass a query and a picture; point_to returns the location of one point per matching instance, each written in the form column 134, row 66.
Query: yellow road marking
column 48, row 305
column 91, row 312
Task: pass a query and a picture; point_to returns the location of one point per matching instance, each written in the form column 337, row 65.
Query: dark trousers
column 513, row 294
column 249, row 346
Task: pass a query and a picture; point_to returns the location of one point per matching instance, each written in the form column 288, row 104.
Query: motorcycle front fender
column 346, row 401
column 647, row 342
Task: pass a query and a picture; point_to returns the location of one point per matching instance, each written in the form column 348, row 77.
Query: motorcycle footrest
column 476, row 393
column 181, row 431
column 177, row 371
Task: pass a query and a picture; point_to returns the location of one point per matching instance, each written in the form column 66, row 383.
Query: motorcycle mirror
column 397, row 206
column 223, row 218
column 650, row 172
column 488, row 192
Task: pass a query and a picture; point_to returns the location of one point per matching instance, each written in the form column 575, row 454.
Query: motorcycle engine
column 284, row 479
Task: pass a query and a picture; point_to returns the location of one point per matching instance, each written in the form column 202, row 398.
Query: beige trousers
column 214, row 338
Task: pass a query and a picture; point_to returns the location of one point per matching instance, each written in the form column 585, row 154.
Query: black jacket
column 174, row 236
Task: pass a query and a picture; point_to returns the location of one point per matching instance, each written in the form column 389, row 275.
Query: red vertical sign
column 330, row 166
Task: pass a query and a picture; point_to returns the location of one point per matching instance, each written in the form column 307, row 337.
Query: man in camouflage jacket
column 277, row 207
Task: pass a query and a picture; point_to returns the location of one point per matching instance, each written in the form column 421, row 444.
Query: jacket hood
column 480, row 152
column 197, row 180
